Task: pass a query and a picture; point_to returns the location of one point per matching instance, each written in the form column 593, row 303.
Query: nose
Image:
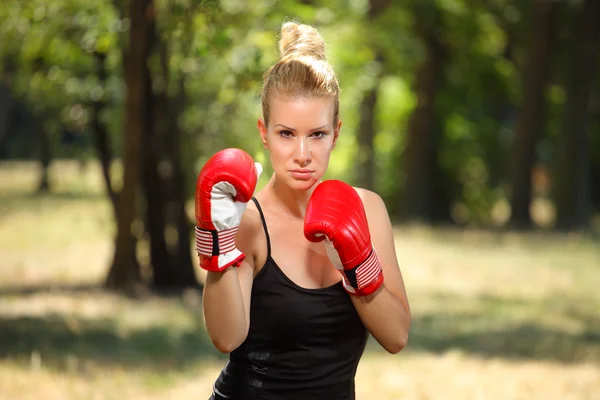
column 302, row 155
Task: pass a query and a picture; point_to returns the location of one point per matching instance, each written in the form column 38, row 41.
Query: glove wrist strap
column 365, row 278
column 211, row 243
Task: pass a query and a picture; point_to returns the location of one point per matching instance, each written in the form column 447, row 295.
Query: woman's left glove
column 336, row 214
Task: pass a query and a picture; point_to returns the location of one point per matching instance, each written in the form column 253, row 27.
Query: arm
column 337, row 214
column 224, row 242
column 385, row 313
column 226, row 296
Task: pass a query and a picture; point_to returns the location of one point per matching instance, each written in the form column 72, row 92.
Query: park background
column 477, row 121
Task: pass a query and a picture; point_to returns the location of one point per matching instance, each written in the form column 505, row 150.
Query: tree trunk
column 178, row 271
column 530, row 120
column 420, row 152
column 184, row 268
column 446, row 188
column 365, row 162
column 376, row 7
column 595, row 155
column 186, row 274
column 164, row 184
column 595, row 185
column 45, row 156
column 100, row 132
column 572, row 188
column 6, row 102
column 154, row 184
column 124, row 272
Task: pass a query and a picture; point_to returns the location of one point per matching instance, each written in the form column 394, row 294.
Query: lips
column 301, row 174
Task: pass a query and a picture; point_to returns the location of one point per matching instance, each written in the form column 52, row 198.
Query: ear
column 262, row 129
column 336, row 133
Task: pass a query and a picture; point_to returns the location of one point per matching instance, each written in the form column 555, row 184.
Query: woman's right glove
column 224, row 187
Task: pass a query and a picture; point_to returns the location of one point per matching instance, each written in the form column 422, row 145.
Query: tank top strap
column 264, row 224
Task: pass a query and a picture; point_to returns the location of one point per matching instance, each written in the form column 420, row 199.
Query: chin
column 302, row 185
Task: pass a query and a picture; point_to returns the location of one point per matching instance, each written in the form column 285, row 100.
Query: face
column 300, row 138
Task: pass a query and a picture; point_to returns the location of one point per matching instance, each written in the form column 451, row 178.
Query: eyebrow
column 292, row 129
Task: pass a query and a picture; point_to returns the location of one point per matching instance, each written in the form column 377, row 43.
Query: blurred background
column 477, row 121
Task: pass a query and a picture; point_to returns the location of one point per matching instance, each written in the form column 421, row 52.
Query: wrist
column 226, row 275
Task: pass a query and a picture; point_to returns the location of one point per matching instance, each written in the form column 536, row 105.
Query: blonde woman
column 302, row 271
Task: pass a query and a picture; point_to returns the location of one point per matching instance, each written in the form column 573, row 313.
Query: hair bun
column 299, row 40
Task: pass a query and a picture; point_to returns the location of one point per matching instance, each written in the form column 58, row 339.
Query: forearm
column 224, row 312
column 386, row 318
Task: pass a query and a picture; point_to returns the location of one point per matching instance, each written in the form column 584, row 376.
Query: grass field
column 495, row 315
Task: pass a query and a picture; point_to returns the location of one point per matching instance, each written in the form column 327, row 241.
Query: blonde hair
column 302, row 71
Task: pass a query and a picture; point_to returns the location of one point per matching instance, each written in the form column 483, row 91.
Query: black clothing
column 302, row 343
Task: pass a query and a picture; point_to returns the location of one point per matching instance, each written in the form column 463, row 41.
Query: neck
column 292, row 201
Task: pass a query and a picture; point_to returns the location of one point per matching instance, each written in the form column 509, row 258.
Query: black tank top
column 302, row 343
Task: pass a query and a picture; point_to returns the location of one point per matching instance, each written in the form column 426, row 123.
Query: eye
column 318, row 134
column 286, row 134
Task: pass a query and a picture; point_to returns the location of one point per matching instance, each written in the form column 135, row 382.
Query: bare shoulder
column 378, row 218
column 380, row 225
column 374, row 205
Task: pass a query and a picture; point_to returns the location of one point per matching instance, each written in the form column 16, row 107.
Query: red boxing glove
column 224, row 187
column 336, row 213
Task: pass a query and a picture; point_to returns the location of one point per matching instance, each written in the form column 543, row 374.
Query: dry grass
column 496, row 315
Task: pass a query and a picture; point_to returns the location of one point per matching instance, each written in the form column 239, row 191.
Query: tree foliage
column 443, row 112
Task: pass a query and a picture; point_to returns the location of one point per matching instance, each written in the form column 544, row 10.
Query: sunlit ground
column 495, row 315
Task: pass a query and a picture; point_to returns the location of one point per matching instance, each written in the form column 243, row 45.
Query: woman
column 295, row 327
